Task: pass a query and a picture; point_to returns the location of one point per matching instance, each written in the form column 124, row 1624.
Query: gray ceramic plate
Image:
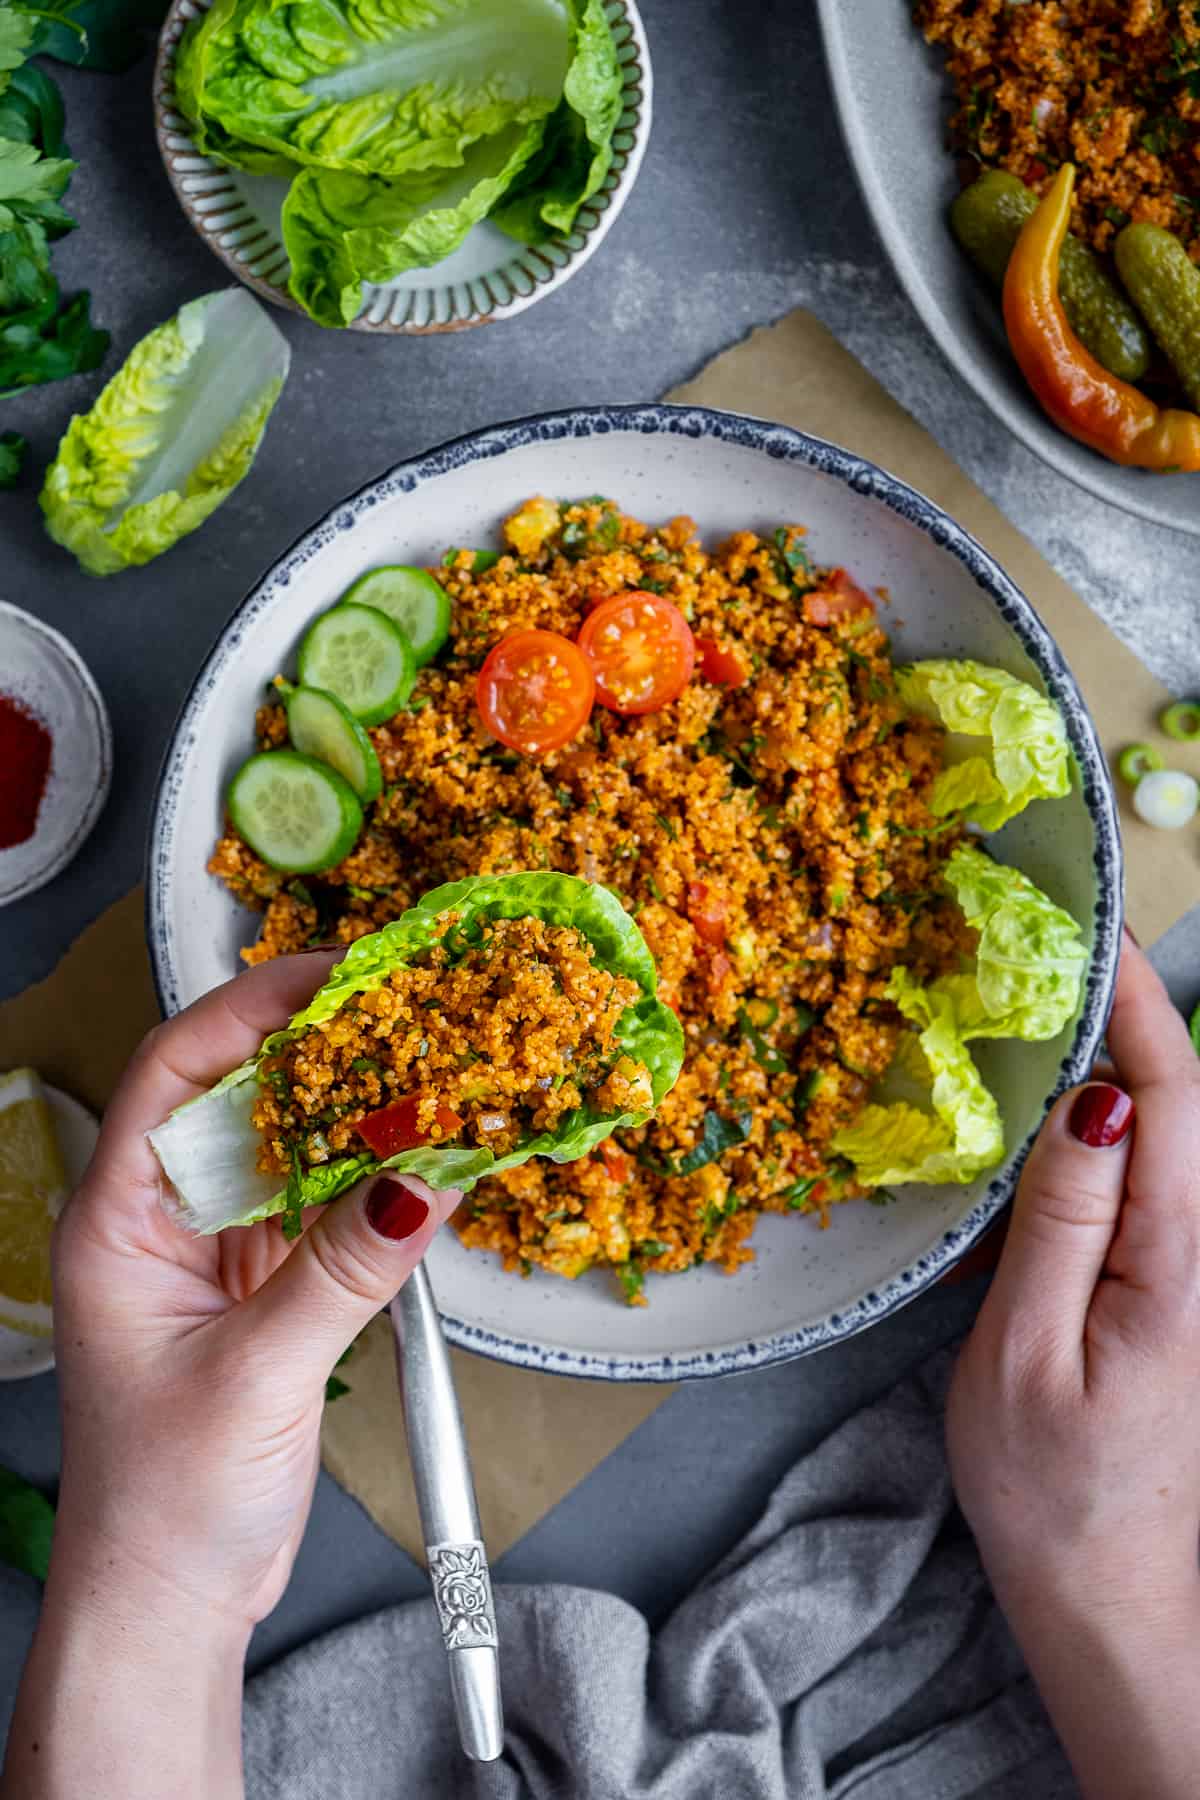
column 808, row 1287
column 893, row 98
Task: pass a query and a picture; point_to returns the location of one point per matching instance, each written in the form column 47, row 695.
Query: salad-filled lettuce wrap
column 501, row 1018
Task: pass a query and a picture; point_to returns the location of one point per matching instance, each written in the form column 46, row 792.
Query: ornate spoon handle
column 457, row 1560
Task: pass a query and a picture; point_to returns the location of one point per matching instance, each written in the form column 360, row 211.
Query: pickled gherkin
column 1165, row 282
column 987, row 218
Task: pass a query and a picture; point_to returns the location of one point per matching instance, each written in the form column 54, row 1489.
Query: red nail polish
column 394, row 1211
column 1101, row 1115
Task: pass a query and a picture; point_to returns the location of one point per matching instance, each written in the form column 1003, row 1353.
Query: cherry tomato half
column 708, row 911
column 535, row 691
column 641, row 649
column 618, row 1165
column 725, row 667
column 394, row 1128
column 840, row 598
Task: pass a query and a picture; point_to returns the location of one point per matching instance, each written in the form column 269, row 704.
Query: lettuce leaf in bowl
column 953, row 1131
column 342, row 229
column 171, row 435
column 577, row 151
column 209, row 1147
column 1030, row 961
column 372, row 87
column 1014, row 746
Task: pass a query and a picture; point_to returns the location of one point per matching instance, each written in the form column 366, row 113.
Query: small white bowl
column 77, row 1131
column 488, row 277
column 40, row 668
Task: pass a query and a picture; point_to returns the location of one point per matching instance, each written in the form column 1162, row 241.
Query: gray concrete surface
column 746, row 207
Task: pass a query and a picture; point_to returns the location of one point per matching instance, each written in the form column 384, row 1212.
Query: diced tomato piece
column 641, row 650
column 708, row 910
column 394, row 1128
column 840, row 598
column 719, row 970
column 725, row 667
column 618, row 1166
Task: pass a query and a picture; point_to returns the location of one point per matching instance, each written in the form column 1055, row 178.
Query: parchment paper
column 533, row 1437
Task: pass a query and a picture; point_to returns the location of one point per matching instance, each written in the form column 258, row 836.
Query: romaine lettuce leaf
column 1030, row 961
column 577, row 152
column 171, row 435
column 343, row 229
column 1024, row 756
column 209, row 1147
column 380, row 87
column 956, row 1137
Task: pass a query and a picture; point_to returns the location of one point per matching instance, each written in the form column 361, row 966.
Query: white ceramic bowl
column 488, row 277
column 40, row 668
column 808, row 1287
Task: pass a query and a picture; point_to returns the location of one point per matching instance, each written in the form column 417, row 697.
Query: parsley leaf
column 292, row 1215
column 13, row 449
column 717, row 1135
column 26, row 1525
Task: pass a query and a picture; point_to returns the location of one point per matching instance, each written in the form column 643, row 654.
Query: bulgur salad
column 718, row 741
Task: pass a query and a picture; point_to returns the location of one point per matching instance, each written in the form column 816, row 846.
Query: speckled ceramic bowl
column 893, row 99
column 488, row 277
column 807, row 1288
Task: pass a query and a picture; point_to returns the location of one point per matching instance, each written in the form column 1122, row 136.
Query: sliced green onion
column 1182, row 721
column 1137, row 760
column 1166, row 798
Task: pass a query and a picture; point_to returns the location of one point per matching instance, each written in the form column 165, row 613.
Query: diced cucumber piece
column 320, row 726
column 362, row 659
column 411, row 599
column 295, row 812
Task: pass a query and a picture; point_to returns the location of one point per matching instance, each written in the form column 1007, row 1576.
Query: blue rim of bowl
column 781, row 443
column 1103, row 480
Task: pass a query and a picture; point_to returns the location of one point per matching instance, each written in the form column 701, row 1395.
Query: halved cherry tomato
column 708, row 910
column 840, row 598
column 394, row 1128
column 725, row 667
column 535, row 691
column 617, row 1165
column 641, row 649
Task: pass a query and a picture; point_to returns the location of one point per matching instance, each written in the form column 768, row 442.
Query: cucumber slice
column 296, row 813
column 362, row 659
column 411, row 599
column 320, row 726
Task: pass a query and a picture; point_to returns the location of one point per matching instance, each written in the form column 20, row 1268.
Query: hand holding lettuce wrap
column 499, row 1019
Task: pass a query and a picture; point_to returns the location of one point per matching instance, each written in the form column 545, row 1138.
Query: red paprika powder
column 25, row 751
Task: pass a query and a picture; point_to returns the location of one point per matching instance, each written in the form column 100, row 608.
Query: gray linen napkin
column 848, row 1646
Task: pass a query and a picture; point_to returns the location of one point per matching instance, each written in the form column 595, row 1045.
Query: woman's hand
column 192, row 1374
column 1074, row 1416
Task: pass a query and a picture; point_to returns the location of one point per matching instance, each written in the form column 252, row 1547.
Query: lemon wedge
column 33, row 1187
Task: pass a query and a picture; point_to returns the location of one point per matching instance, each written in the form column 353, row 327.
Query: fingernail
column 1100, row 1116
column 1130, row 936
column 394, row 1211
